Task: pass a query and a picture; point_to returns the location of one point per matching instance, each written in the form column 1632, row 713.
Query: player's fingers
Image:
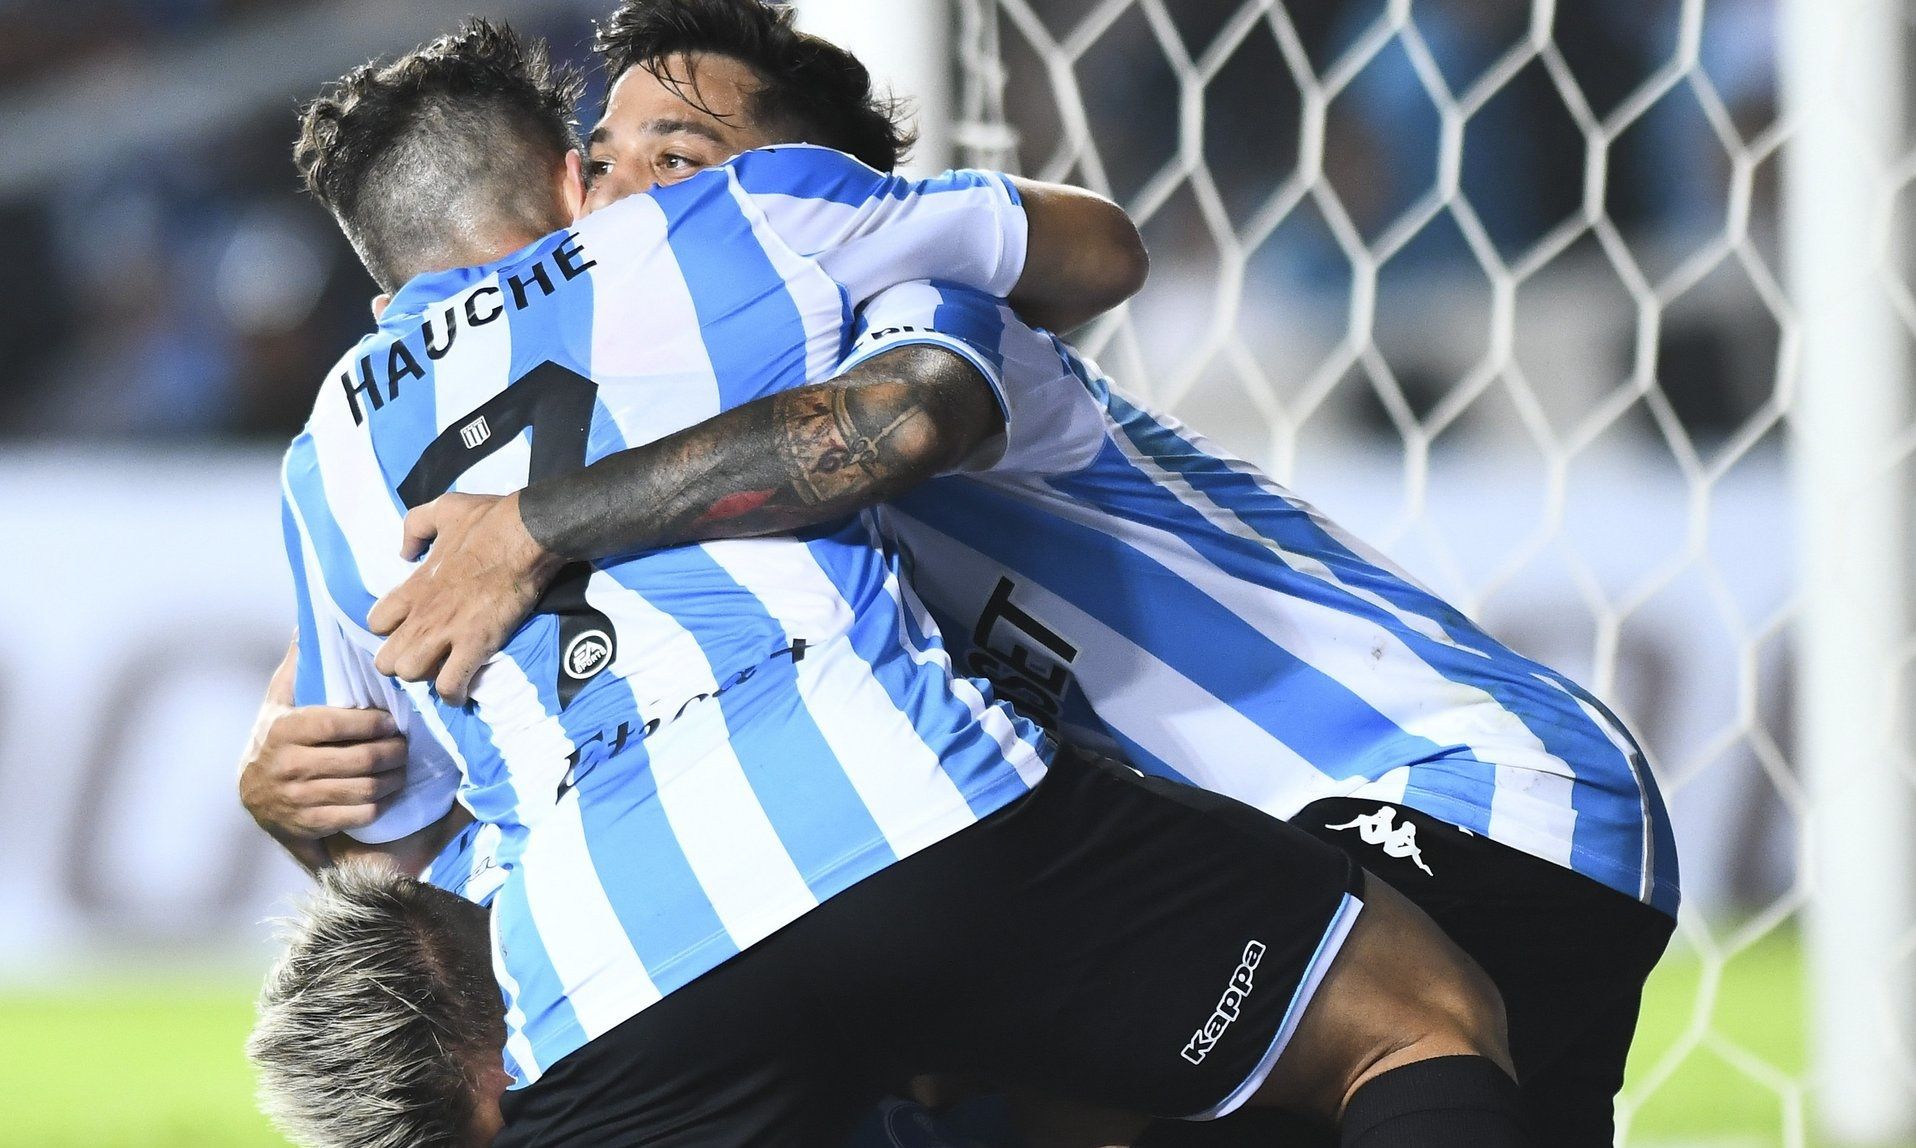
column 469, row 652
column 413, row 645
column 418, row 656
column 337, row 791
column 360, row 759
column 331, row 725
column 390, row 611
column 325, row 821
column 419, row 529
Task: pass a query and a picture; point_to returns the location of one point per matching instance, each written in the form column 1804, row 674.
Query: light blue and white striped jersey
column 684, row 751
column 1139, row 590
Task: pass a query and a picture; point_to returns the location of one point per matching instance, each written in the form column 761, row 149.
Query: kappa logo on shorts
column 1205, row 1039
column 1399, row 841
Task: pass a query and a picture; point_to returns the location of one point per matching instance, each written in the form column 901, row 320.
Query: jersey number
column 556, row 405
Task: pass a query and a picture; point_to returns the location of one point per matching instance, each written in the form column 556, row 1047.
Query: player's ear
column 572, row 185
column 380, row 302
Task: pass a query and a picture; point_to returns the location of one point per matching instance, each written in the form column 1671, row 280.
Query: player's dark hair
column 811, row 90
column 407, row 154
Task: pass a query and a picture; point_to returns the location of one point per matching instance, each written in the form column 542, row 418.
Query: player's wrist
column 540, row 562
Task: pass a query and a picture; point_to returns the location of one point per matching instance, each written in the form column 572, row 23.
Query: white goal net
column 1594, row 316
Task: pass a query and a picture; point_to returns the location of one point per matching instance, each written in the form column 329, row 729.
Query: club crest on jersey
column 1228, row 1006
column 475, row 433
column 586, row 654
column 1399, row 841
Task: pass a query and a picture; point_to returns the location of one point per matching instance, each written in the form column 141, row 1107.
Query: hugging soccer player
column 760, row 850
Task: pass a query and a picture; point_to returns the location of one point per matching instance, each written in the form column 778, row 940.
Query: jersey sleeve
column 335, row 668
column 1053, row 424
column 870, row 231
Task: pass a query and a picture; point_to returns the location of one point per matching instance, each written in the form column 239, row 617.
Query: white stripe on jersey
column 528, row 738
column 894, row 772
column 667, row 350
column 1231, row 524
column 350, row 474
column 1542, row 781
column 721, row 826
column 994, row 719
column 334, row 659
column 1530, row 806
column 485, row 355
column 517, row 1046
column 1220, row 748
column 605, row 982
column 817, row 295
column 723, row 830
column 656, row 312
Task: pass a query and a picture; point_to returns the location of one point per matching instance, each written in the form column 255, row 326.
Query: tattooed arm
column 783, row 462
column 777, row 464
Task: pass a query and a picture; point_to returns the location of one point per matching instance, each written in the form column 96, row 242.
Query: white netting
column 1498, row 283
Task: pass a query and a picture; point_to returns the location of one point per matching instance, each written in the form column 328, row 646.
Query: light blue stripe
column 309, row 678
column 552, row 1027
column 336, row 562
column 822, row 174
column 402, row 428
column 1606, row 795
column 804, row 173
column 748, row 320
column 967, row 754
column 756, row 340
column 647, row 877
column 805, row 791
column 973, row 316
column 1187, row 630
column 645, row 873
column 1333, row 738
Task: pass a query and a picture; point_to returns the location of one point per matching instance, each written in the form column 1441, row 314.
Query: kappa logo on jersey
column 1228, row 1006
column 1399, row 841
column 587, row 654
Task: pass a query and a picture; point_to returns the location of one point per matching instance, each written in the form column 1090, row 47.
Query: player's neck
column 474, row 250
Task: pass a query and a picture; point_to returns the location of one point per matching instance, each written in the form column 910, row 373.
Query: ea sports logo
column 587, row 654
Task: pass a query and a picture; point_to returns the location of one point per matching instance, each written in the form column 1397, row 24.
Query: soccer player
column 1140, row 590
column 761, row 849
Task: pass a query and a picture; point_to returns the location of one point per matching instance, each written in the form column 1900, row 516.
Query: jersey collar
column 422, row 291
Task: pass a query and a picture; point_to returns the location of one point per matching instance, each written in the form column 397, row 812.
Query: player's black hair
column 811, row 90
column 407, row 154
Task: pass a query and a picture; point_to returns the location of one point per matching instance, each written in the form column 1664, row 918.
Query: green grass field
column 126, row 1064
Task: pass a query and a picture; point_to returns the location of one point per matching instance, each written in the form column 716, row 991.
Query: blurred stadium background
column 1594, row 314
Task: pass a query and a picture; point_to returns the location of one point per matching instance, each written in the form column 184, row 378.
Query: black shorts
column 1116, row 940
column 1569, row 956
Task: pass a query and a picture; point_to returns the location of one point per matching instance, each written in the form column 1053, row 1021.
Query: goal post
column 1843, row 90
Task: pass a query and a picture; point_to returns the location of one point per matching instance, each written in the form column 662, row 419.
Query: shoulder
column 806, row 171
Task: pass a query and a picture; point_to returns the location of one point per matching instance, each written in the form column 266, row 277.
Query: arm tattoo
column 790, row 460
column 837, row 441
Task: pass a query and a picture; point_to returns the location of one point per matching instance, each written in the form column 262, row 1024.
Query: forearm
column 410, row 854
column 311, row 855
column 1085, row 256
column 774, row 465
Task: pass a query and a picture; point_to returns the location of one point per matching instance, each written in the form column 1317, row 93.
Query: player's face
column 652, row 134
